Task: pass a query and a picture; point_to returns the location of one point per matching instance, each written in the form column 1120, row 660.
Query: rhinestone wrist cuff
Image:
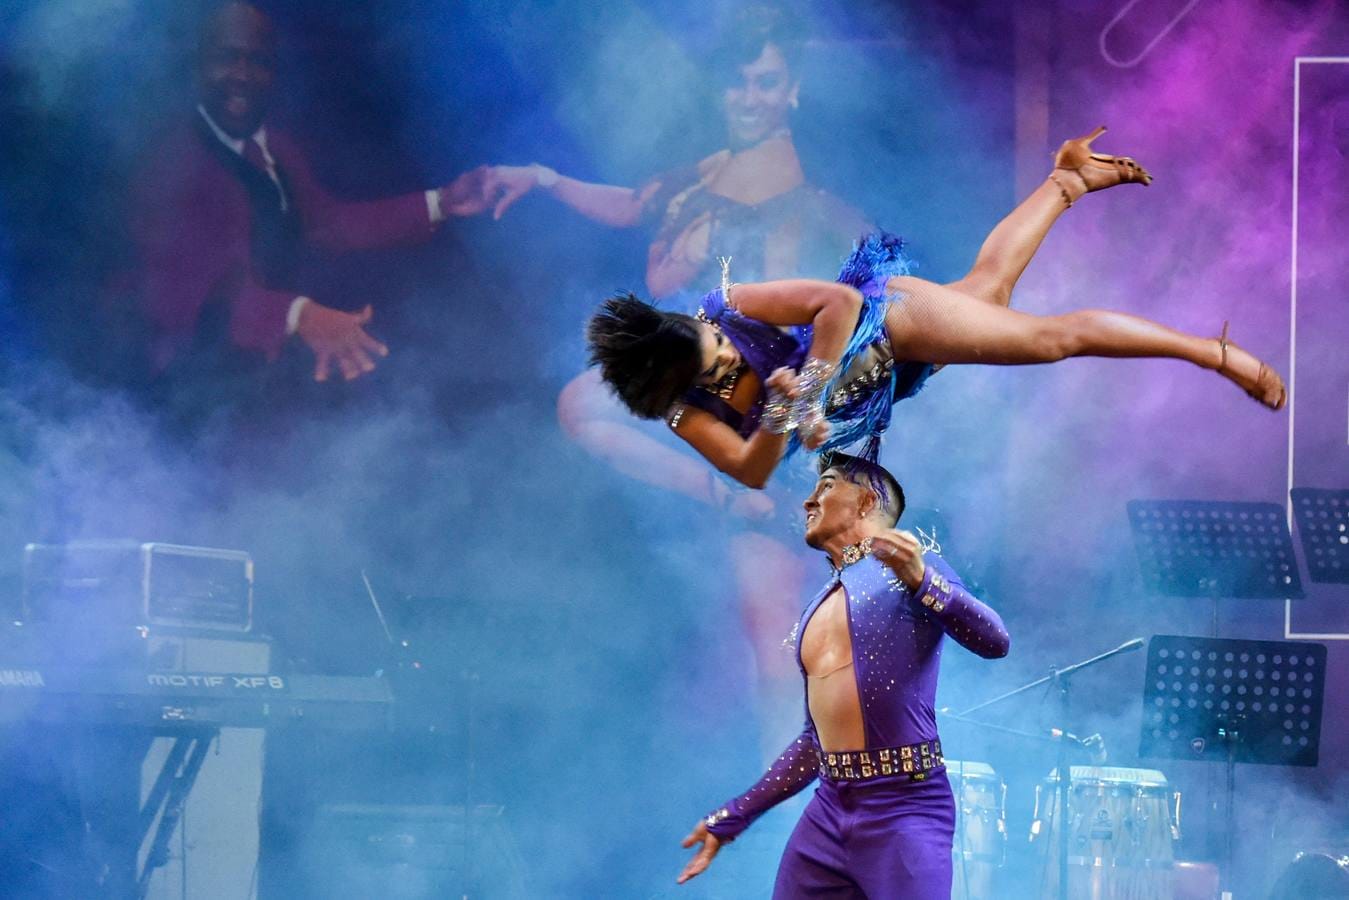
column 777, row 414
column 808, row 410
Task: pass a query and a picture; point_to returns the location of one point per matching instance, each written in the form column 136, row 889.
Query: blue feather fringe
column 877, row 257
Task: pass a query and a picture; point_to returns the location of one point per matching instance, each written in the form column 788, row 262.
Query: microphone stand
column 1061, row 679
column 1056, row 674
column 1061, row 787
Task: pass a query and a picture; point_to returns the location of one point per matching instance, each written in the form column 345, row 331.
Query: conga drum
column 980, row 845
column 1120, row 834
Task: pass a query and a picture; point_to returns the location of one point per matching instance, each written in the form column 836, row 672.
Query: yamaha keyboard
column 177, row 700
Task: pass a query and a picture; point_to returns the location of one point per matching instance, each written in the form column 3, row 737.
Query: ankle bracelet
column 1063, row 191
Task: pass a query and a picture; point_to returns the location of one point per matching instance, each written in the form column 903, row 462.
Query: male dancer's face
column 236, row 69
column 834, row 507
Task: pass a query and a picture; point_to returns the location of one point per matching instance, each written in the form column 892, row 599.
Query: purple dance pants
column 879, row 840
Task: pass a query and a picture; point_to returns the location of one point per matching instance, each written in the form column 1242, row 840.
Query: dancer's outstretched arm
column 795, row 768
column 749, row 461
column 608, row 204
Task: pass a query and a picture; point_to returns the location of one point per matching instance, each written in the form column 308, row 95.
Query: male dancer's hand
column 467, row 194
column 903, row 553
column 339, row 340
column 703, row 858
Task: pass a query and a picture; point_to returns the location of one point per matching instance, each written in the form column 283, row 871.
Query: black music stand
column 1198, row 548
column 1322, row 518
column 1233, row 701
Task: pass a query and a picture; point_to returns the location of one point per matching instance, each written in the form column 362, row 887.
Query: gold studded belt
column 917, row 761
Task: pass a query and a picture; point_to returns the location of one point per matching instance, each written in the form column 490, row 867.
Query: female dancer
column 726, row 381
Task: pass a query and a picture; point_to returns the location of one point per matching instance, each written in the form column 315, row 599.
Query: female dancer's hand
column 784, row 385
column 506, row 184
column 703, row 858
column 693, row 243
column 782, row 381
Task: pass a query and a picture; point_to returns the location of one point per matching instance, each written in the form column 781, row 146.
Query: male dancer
column 224, row 212
column 869, row 645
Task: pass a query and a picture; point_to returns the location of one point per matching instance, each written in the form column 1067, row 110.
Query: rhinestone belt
column 917, row 761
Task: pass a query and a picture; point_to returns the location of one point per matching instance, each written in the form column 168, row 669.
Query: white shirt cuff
column 433, row 210
column 293, row 314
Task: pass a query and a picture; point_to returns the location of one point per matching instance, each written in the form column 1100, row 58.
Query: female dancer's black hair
column 649, row 357
column 753, row 29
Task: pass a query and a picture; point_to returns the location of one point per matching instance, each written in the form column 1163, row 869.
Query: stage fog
column 522, row 640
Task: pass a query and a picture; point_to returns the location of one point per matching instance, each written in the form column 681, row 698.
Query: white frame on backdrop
column 1288, row 632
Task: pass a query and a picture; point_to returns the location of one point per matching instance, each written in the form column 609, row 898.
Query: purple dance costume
column 869, row 379
column 882, row 819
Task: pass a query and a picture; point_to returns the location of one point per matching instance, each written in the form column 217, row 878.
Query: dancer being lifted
column 765, row 367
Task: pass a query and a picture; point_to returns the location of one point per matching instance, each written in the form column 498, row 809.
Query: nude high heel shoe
column 1266, row 388
column 1096, row 171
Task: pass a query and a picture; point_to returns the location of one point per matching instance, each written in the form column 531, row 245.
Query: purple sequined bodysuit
column 869, row 378
column 896, row 644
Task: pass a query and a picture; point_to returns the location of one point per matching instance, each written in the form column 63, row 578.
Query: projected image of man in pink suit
column 226, row 204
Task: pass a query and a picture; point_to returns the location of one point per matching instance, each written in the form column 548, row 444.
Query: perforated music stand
column 1198, row 548
column 1232, row 701
column 1322, row 518
column 1198, row 690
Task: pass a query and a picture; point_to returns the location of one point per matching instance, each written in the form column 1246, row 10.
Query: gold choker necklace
column 854, row 552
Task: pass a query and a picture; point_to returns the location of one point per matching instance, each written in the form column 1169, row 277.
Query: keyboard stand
column 166, row 799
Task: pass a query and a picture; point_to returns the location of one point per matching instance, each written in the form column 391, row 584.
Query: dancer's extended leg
column 937, row 324
column 1010, row 245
